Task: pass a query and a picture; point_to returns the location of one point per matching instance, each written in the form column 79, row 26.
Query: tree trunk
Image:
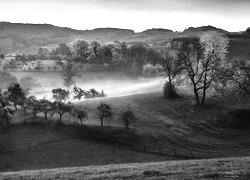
column 46, row 116
column 34, row 114
column 197, row 97
column 60, row 117
column 101, row 121
column 80, row 119
column 203, row 97
column 15, row 106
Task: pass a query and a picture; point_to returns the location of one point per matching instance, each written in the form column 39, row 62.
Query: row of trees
column 15, row 97
column 204, row 64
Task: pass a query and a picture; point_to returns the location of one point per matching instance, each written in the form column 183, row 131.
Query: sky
column 138, row 15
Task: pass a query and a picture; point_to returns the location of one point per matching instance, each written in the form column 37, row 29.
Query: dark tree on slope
column 104, row 111
column 15, row 94
column 203, row 64
column 128, row 117
column 61, row 108
column 80, row 114
column 45, row 107
column 173, row 68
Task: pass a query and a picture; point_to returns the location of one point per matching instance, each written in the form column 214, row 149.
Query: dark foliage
column 169, row 91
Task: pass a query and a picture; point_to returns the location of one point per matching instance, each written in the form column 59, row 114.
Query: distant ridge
column 28, row 38
column 204, row 29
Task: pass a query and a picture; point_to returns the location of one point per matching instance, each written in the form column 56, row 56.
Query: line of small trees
column 15, row 96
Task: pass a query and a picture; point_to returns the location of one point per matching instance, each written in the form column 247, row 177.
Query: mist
column 112, row 84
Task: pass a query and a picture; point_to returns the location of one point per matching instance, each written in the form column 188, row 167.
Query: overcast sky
column 231, row 15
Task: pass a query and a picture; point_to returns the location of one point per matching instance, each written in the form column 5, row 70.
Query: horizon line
column 119, row 28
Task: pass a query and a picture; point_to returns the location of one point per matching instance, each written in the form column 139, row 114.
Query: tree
column 107, row 53
column 80, row 114
column 173, row 68
column 60, row 94
column 45, row 107
column 104, row 111
column 2, row 56
column 128, row 117
column 63, row 51
column 153, row 57
column 82, row 50
column 15, row 94
column 33, row 103
column 69, row 71
column 27, row 83
column 203, row 64
column 79, row 93
column 241, row 76
column 10, row 65
column 6, row 111
column 62, row 108
column 137, row 56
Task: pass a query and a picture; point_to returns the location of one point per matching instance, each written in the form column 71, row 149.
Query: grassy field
column 229, row 168
column 36, row 146
column 165, row 129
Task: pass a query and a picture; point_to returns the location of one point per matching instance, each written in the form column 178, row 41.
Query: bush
column 127, row 117
column 169, row 90
column 235, row 118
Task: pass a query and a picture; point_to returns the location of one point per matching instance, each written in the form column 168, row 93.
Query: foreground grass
column 228, row 168
column 36, row 146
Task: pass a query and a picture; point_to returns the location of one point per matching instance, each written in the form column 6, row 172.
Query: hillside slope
column 228, row 168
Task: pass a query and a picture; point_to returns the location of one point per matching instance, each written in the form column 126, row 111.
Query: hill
column 27, row 38
column 228, row 168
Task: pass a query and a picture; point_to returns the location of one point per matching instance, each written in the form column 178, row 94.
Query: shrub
column 235, row 118
column 127, row 117
column 169, row 90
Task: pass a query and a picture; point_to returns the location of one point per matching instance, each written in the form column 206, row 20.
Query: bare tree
column 203, row 64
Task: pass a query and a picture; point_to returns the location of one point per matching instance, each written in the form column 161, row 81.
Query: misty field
column 114, row 84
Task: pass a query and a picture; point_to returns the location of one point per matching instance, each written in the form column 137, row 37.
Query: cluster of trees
column 92, row 93
column 204, row 64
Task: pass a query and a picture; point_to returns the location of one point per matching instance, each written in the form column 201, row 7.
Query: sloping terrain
column 229, row 168
column 41, row 146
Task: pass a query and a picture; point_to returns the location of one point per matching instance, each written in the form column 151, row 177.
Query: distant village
column 12, row 62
